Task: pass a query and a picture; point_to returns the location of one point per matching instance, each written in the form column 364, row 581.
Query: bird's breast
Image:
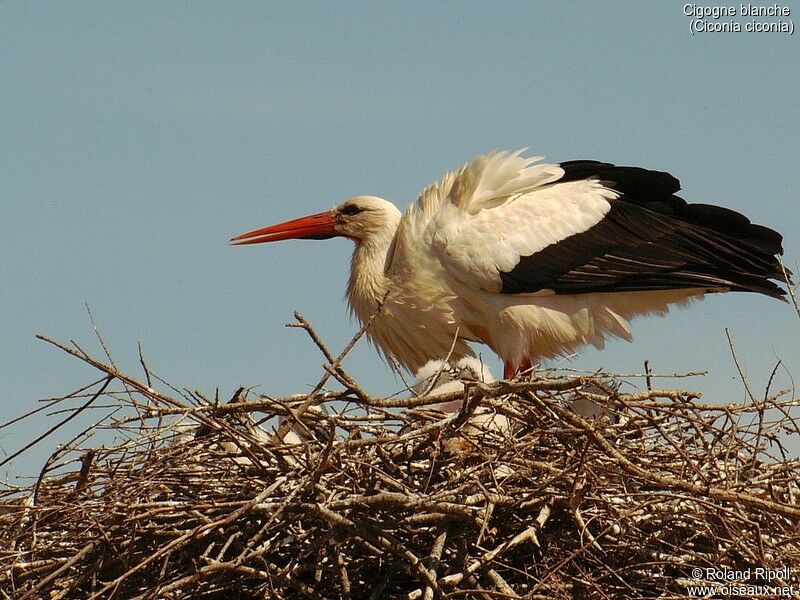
column 413, row 322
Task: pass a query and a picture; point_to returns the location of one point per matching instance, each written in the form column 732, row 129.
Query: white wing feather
column 479, row 220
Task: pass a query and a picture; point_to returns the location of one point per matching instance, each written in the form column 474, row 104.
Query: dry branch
column 194, row 500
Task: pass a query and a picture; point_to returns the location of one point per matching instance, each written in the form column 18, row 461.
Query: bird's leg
column 525, row 368
column 509, row 370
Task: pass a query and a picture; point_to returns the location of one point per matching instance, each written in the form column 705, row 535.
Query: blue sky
column 137, row 138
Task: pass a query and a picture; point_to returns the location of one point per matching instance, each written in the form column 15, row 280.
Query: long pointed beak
column 312, row 227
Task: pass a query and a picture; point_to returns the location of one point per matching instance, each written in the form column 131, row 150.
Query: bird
column 438, row 377
column 533, row 259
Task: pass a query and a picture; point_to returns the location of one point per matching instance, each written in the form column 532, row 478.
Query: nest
column 393, row 498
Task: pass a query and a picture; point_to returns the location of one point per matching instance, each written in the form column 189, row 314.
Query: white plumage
column 533, row 259
column 438, row 377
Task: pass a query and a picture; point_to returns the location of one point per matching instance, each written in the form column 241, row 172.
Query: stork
column 533, row 259
column 437, row 377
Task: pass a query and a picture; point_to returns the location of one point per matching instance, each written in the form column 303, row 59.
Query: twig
column 376, row 501
column 62, row 569
column 61, row 423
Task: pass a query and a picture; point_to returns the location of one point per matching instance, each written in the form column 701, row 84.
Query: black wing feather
column 652, row 239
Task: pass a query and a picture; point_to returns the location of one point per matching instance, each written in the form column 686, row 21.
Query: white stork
column 437, row 377
column 533, row 259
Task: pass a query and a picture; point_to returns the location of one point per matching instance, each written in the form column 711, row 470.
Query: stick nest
column 392, row 498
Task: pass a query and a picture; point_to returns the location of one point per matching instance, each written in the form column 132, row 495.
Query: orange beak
column 312, row 227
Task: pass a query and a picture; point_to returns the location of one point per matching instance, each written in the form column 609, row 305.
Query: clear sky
column 138, row 137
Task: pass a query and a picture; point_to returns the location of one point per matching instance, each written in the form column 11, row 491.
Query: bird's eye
column 350, row 210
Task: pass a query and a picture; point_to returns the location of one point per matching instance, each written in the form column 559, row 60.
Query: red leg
column 525, row 367
column 509, row 371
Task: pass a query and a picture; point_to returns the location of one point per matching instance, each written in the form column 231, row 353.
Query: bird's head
column 359, row 218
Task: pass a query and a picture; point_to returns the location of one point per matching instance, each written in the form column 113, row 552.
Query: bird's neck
column 368, row 284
